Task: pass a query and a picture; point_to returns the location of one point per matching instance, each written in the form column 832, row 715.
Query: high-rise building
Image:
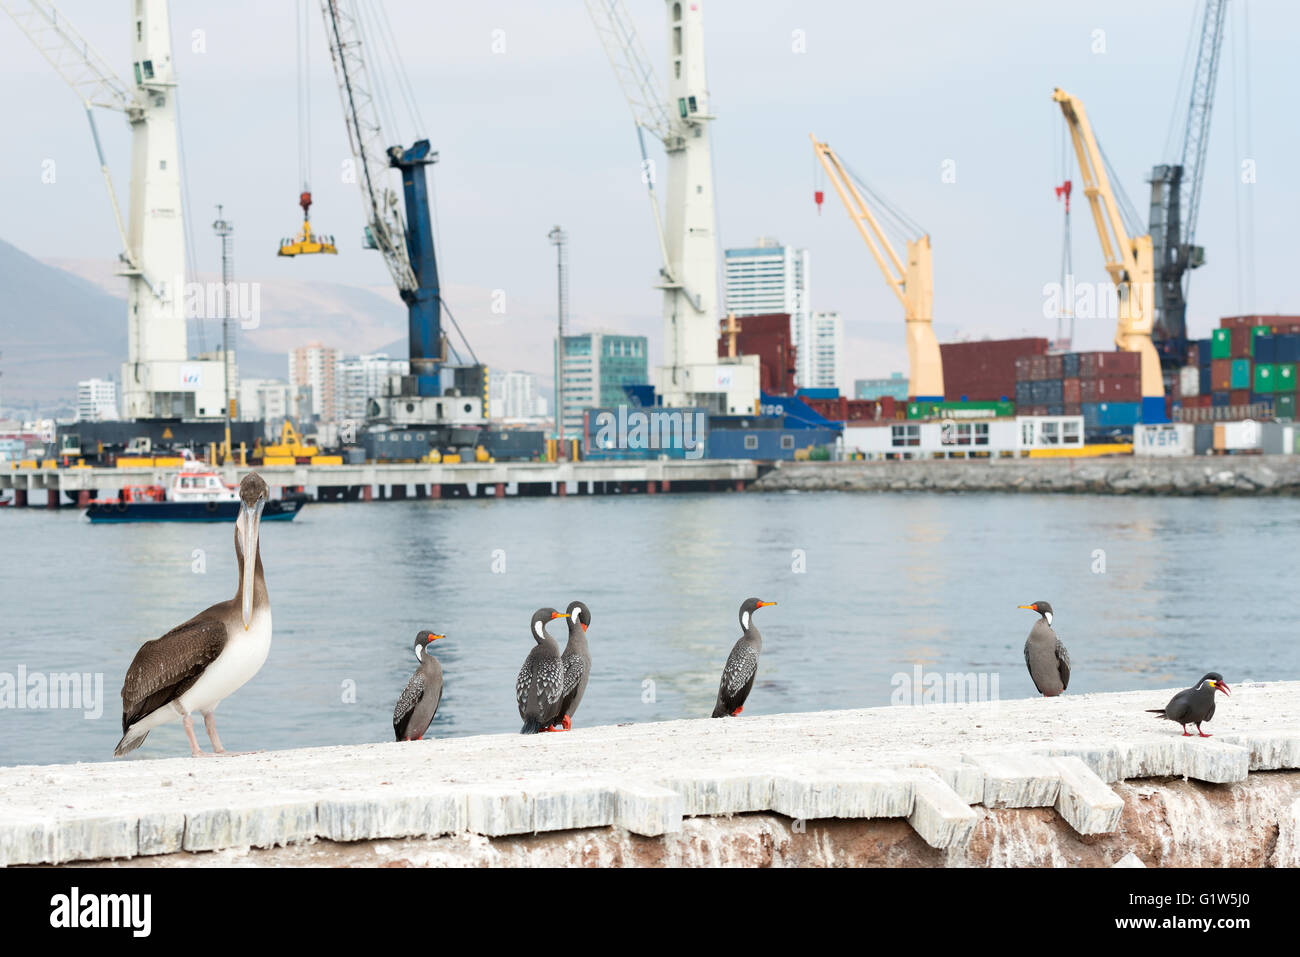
column 515, row 395
column 596, row 367
column 96, row 400
column 315, row 366
column 361, row 378
column 768, row 278
column 821, row 361
column 270, row 400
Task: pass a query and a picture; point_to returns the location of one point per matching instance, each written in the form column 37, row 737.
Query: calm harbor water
column 1147, row 592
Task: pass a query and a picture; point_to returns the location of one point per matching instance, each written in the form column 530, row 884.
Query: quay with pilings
column 396, row 481
column 1073, row 781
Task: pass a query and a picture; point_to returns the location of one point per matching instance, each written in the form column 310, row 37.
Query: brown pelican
column 576, row 660
column 1045, row 656
column 742, row 664
column 419, row 701
column 196, row 665
column 540, row 684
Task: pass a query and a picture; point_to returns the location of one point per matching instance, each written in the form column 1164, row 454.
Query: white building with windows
column 821, row 360
column 270, row 400
column 361, row 378
column 97, row 400
column 516, row 395
column 768, row 278
column 316, row 366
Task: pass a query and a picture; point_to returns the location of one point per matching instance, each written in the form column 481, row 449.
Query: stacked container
column 988, row 370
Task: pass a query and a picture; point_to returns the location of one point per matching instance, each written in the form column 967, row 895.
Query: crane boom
column 1128, row 259
column 1176, row 196
column 912, row 283
column 384, row 228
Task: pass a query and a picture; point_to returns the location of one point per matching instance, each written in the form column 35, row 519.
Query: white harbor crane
column 691, row 374
column 159, row 381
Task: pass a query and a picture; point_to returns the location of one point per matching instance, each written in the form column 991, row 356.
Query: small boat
column 197, row 495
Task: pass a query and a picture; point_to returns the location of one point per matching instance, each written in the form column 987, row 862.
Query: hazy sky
column 540, row 134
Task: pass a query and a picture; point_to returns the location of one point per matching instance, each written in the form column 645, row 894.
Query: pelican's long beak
column 250, row 519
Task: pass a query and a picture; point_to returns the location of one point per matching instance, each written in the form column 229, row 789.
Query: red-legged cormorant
column 419, row 701
column 540, row 684
column 1194, row 705
column 1045, row 656
column 742, row 664
column 576, row 660
column 196, row 665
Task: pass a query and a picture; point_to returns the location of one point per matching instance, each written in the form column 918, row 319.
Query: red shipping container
column 1037, row 368
column 1054, row 368
column 1072, row 408
column 1239, row 397
column 985, row 370
column 1088, row 390
column 1094, row 365
column 1022, row 368
column 1071, row 392
column 1193, row 353
column 1119, row 389
column 768, row 337
column 1220, row 375
column 1245, row 322
column 1241, row 342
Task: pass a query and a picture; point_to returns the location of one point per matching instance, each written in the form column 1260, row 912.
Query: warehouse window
column 787, row 441
column 1071, row 432
column 751, row 443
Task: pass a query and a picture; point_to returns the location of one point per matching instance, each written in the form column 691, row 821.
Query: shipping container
column 1206, row 380
column 1054, row 367
column 1239, row 397
column 1284, row 405
column 985, row 370
column 1194, row 353
column 1093, row 365
column 1221, row 344
column 1111, row 414
column 1285, row 377
column 1024, row 392
column 1037, row 368
column 1220, row 375
column 1070, row 392
column 1241, row 338
column 1265, row 376
column 1022, row 368
column 1189, row 381
column 1240, row 378
column 1164, row 440
column 1119, row 389
column 1287, row 347
column 1258, row 335
column 1220, row 400
column 1070, row 365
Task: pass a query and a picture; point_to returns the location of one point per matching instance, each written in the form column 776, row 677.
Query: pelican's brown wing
column 165, row 668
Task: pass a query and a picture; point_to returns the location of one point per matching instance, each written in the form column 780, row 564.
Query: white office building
column 361, row 378
column 97, row 400
column 515, row 395
column 268, row 399
column 315, row 366
column 769, row 278
column 821, row 362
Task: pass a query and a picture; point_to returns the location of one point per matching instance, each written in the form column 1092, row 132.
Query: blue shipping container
column 766, row 444
column 1265, row 348
column 1207, row 381
column 1070, row 365
column 1111, row 414
column 1220, row 399
column 1206, row 353
column 1024, row 393
column 1287, row 347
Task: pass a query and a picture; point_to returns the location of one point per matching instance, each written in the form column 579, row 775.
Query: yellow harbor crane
column 1129, row 260
column 912, row 283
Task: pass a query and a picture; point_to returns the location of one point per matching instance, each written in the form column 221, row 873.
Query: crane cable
column 304, row 94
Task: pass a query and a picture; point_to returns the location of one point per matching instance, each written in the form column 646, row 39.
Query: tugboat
column 197, row 495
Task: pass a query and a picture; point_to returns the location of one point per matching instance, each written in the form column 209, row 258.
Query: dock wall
column 1080, row 780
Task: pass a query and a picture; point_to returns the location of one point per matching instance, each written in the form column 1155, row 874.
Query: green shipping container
column 1285, row 377
column 1284, row 405
column 1221, row 344
column 1265, row 377
column 1240, row 374
column 1256, row 332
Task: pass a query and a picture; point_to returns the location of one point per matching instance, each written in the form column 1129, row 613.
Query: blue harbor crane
column 1176, row 198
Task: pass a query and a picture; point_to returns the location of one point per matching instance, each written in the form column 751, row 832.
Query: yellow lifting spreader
column 306, row 242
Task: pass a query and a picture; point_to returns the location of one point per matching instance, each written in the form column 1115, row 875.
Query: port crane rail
column 1129, row 259
column 911, row 282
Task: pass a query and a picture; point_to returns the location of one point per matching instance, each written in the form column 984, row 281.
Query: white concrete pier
column 946, row 770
